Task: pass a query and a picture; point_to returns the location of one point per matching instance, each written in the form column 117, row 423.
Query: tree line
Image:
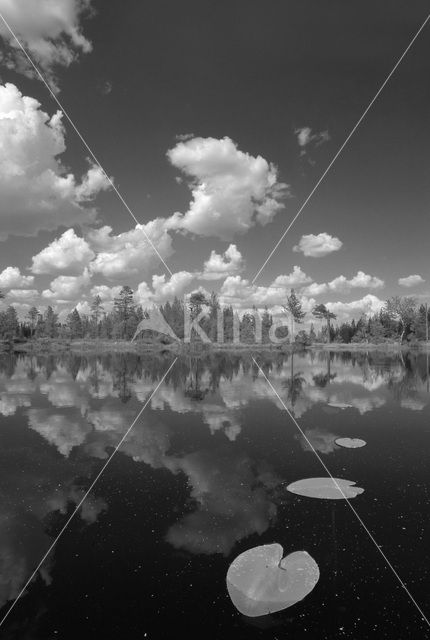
column 401, row 319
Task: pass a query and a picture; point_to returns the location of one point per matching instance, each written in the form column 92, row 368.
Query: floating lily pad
column 350, row 443
column 260, row 581
column 340, row 405
column 325, row 488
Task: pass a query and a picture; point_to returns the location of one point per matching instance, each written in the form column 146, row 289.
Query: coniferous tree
column 33, row 315
column 74, row 324
column 97, row 310
column 10, row 323
column 294, row 308
column 50, row 320
column 321, row 312
column 123, row 313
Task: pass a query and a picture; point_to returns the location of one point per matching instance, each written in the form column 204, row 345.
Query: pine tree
column 96, row 315
column 321, row 312
column 33, row 315
column 266, row 323
column 294, row 308
column 123, row 311
column 74, row 323
column 50, row 320
column 10, row 323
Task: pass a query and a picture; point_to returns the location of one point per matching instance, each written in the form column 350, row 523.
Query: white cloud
column 231, row 190
column 343, row 285
column 163, row 289
column 315, row 289
column 11, row 277
column 365, row 281
column 107, row 294
column 411, row 281
column 305, row 137
column 296, row 278
column 218, row 266
column 242, row 295
column 36, row 192
column 50, row 31
column 67, row 287
column 19, row 295
column 319, row 245
column 68, row 253
column 129, row 253
column 361, row 280
column 368, row 305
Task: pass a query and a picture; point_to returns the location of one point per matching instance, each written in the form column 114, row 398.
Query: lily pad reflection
column 260, row 581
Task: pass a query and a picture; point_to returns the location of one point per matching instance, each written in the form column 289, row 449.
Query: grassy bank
column 124, row 346
column 55, row 346
column 370, row 346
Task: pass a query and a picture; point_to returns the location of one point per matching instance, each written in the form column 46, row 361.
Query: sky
column 214, row 121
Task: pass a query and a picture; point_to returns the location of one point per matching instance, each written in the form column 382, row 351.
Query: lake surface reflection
column 201, row 478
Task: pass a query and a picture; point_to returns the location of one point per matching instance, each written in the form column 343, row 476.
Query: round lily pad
column 260, row 581
column 325, row 488
column 350, row 443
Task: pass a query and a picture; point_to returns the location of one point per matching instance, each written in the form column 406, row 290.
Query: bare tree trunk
column 328, row 331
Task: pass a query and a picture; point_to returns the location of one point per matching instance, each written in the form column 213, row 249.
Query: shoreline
column 55, row 346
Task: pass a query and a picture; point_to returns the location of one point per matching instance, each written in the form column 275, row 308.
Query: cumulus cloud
column 164, row 289
column 68, row 253
column 343, row 285
column 107, row 294
column 19, row 295
column 241, row 294
column 50, row 31
column 11, row 278
column 296, row 278
column 36, row 191
column 317, row 246
column 316, row 289
column 220, row 265
column 363, row 280
column 67, row 287
column 129, row 253
column 368, row 305
column 411, row 281
column 231, row 190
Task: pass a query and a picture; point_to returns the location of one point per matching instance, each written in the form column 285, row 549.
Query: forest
column 401, row 320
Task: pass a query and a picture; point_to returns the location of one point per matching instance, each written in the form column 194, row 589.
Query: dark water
column 202, row 478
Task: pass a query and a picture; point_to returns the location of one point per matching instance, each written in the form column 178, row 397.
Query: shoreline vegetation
column 95, row 346
column 200, row 323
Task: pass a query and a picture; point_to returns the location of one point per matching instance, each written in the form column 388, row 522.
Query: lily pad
column 350, row 443
column 260, row 581
column 325, row 488
column 340, row 405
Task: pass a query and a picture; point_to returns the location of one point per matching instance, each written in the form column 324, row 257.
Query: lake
column 201, row 478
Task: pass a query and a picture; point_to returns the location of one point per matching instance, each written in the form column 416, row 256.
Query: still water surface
column 201, row 478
